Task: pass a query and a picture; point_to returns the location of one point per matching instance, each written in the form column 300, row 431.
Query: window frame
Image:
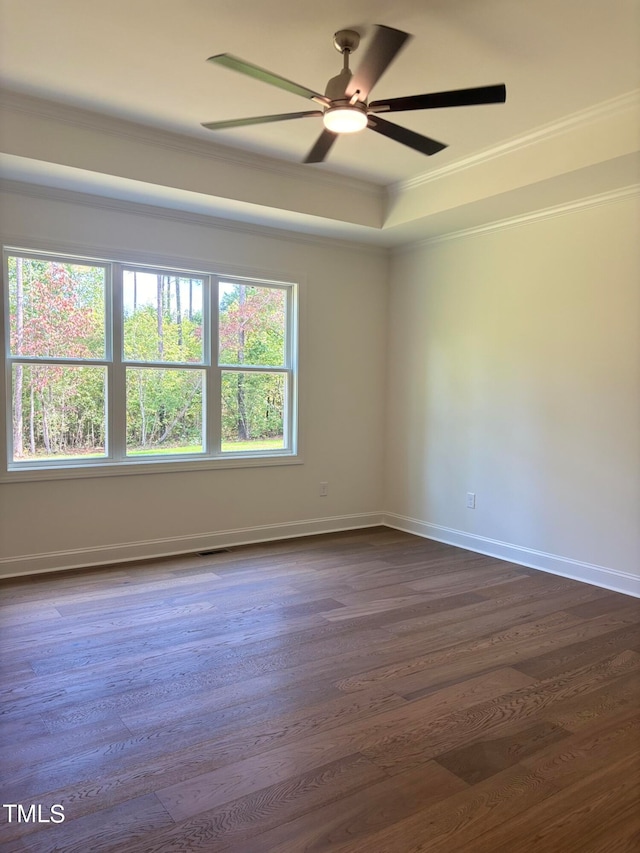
column 116, row 462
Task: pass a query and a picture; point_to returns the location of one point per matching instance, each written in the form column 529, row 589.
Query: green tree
column 56, row 310
column 252, row 328
column 164, row 406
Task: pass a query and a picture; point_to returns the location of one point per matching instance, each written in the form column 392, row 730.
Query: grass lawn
column 227, row 447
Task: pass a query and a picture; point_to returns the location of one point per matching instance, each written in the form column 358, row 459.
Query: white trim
column 525, row 218
column 581, row 118
column 175, row 214
column 54, row 561
column 200, row 145
column 575, row 569
column 163, row 138
column 105, row 254
column 149, row 465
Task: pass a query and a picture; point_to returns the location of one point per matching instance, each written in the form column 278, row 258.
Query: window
column 118, row 365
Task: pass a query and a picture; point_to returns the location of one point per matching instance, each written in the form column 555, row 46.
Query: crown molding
column 40, row 191
column 581, row 118
column 148, row 135
column 525, row 218
column 170, row 140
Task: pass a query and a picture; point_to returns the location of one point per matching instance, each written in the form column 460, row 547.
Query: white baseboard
column 84, row 557
column 574, row 569
column 106, row 555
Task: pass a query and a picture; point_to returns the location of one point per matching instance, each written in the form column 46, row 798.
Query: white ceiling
column 145, row 61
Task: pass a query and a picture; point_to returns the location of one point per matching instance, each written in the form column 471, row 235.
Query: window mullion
column 61, row 362
column 291, row 403
column 214, row 382
column 253, row 368
column 117, row 390
column 6, row 427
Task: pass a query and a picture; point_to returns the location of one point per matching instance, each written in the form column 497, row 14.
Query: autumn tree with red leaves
column 57, row 311
column 252, row 332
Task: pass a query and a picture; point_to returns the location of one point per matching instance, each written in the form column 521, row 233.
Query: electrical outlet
column 471, row 500
column 324, row 490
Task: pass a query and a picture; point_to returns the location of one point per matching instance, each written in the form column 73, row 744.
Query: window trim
column 116, row 365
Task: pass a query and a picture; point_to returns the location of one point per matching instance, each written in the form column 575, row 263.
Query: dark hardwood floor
column 365, row 692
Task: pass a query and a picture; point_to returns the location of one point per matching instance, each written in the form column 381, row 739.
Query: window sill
column 36, row 473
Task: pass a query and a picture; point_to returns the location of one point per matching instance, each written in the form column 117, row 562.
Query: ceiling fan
column 345, row 105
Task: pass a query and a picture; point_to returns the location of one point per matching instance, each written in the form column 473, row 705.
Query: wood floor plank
column 492, row 754
column 376, row 606
column 426, row 605
column 533, row 583
column 91, row 697
column 444, row 648
column 199, row 663
column 359, row 815
column 608, row 603
column 376, row 593
column 446, row 826
column 360, row 691
column 198, row 794
column 214, row 634
column 234, row 742
column 595, row 747
column 237, row 821
column 502, row 649
column 585, row 712
column 20, row 753
column 572, row 818
column 186, row 735
column 130, row 771
column 576, row 655
column 427, row 740
column 468, row 581
column 107, row 830
column 512, row 607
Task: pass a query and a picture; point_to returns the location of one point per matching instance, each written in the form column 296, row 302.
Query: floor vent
column 213, row 551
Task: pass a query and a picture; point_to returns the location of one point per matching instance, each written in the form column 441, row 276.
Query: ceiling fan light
column 345, row 119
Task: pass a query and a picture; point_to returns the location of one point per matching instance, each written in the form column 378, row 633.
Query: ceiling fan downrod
column 346, row 114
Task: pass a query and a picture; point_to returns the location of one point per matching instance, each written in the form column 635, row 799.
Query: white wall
column 506, row 363
column 515, row 374
column 74, row 522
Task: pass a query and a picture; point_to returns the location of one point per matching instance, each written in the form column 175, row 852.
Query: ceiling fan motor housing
column 337, row 86
column 345, row 115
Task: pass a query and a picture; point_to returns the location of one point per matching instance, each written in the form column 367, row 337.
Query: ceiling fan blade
column 321, row 148
column 244, row 122
column 382, row 50
column 424, row 144
column 456, row 98
column 235, row 64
